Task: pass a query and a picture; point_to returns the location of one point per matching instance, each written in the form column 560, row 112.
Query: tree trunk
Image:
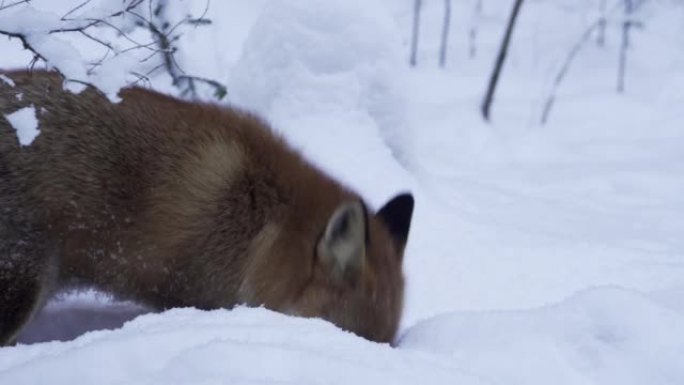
column 626, row 26
column 601, row 35
column 472, row 34
column 500, row 59
column 445, row 33
column 416, row 32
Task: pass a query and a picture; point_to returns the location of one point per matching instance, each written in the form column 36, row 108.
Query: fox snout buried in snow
column 171, row 203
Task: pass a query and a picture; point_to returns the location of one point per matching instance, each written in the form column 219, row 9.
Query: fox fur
column 173, row 203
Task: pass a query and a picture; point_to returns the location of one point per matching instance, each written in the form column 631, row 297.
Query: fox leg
column 27, row 274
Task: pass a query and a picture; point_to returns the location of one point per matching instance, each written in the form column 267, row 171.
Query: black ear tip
column 402, row 204
column 396, row 214
column 406, row 200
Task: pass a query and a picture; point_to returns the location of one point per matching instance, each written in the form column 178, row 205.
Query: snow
column 79, row 60
column 7, row 80
column 604, row 335
column 598, row 336
column 24, row 121
column 338, row 65
column 33, row 22
column 242, row 346
column 538, row 254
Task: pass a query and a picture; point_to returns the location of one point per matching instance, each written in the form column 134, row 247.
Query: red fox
column 173, row 203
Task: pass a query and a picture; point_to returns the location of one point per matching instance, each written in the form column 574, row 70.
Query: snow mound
column 599, row 336
column 242, row 346
column 335, row 55
column 602, row 336
column 326, row 73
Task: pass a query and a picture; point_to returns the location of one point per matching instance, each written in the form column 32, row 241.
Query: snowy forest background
column 547, row 241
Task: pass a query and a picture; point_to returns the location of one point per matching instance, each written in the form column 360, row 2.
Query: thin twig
column 97, row 40
column 99, row 62
column 565, row 68
column 570, row 57
column 73, row 10
column 220, row 90
column 4, row 7
column 26, row 45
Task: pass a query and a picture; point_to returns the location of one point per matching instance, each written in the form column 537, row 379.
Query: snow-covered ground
column 538, row 254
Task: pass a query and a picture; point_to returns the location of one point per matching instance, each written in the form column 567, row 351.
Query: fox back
column 172, row 203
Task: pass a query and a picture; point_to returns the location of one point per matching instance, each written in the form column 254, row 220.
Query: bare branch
column 65, row 17
column 569, row 59
column 134, row 4
column 220, row 90
column 201, row 20
column 165, row 39
column 140, row 79
column 26, row 45
column 97, row 40
column 99, row 62
column 4, row 7
column 565, row 68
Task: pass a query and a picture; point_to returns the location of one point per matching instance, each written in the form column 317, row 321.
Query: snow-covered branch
column 134, row 39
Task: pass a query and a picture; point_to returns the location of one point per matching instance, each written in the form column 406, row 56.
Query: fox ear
column 396, row 215
column 342, row 248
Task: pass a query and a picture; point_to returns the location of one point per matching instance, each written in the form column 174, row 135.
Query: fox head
column 347, row 272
